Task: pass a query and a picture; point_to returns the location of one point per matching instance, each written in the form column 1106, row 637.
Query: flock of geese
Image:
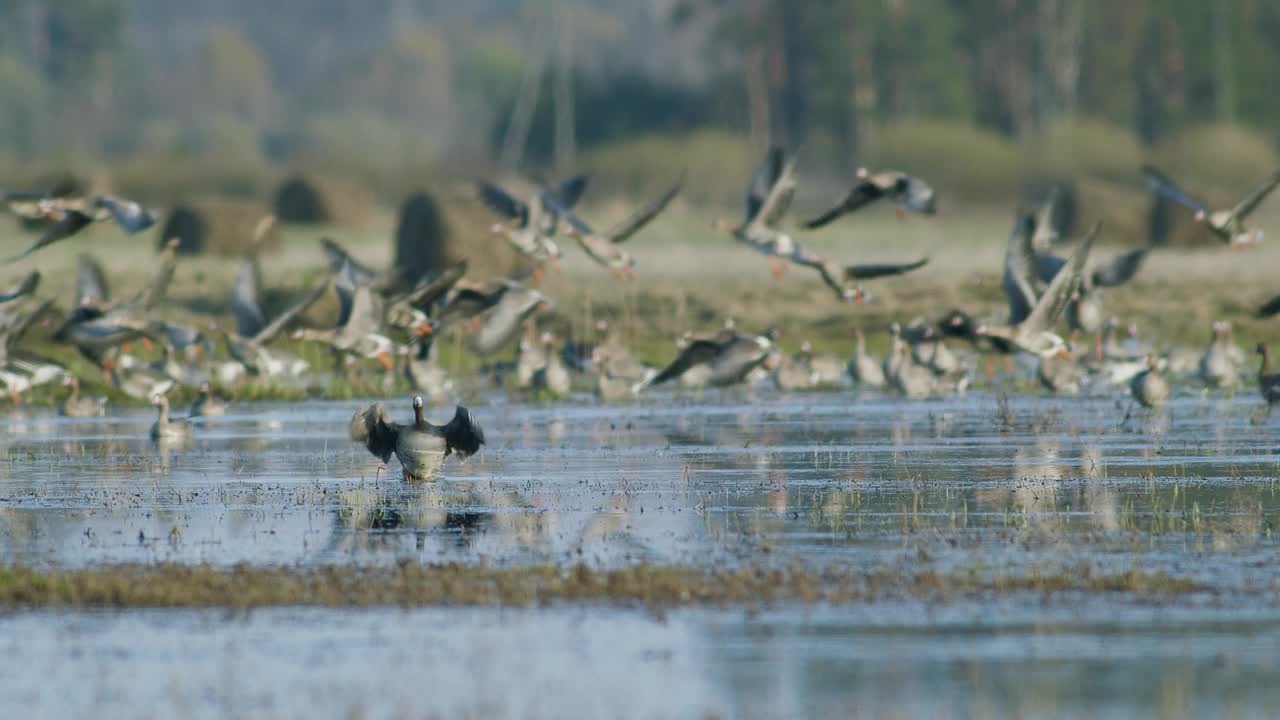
column 390, row 319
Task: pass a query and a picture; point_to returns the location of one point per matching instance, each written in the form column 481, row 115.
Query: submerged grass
column 653, row 586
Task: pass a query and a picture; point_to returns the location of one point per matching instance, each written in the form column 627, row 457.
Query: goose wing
column 71, row 223
column 1065, row 284
column 338, row 257
column 246, row 300
column 1164, row 185
column 503, row 203
column 91, row 282
column 373, row 428
column 779, row 198
column 875, row 270
column 283, row 319
column 462, row 434
column 763, row 179
column 1018, row 280
column 862, row 194
column 26, row 287
column 1117, row 270
column 1269, row 308
column 641, row 217
column 155, row 291
column 1255, row 198
column 698, row 352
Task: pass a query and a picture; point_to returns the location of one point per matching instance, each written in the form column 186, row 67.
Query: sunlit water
column 822, row 480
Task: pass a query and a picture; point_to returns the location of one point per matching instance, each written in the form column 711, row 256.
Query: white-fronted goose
column 207, row 404
column 500, row 323
column 248, row 344
column 553, row 377
column 72, row 215
column 359, row 329
column 911, row 379
column 862, row 367
column 795, row 372
column 166, row 430
column 529, row 226
column 1033, row 332
column 723, row 360
column 604, row 247
column 75, row 406
column 1060, row 374
column 1222, row 361
column 1149, row 387
column 908, row 193
column 420, row 447
column 1228, row 225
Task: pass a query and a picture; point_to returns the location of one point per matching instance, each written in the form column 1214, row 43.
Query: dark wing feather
column 91, row 282
column 462, row 434
column 1164, row 185
column 155, row 291
column 779, row 198
column 570, row 191
column 866, row 272
column 345, row 284
column 503, row 203
column 129, row 215
column 26, row 287
column 763, row 179
column 1119, row 269
column 338, row 256
column 246, row 300
column 644, row 215
column 1270, row 307
column 1255, row 198
column 1019, row 277
column 554, row 210
column 374, row 429
column 71, row 223
column 698, row 352
column 429, row 290
column 862, row 194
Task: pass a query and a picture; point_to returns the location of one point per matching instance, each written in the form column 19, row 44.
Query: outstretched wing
column 155, row 291
column 862, row 194
column 71, row 223
column 1270, row 307
column 91, row 282
column 373, row 428
column 779, row 198
column 503, row 202
column 644, row 215
column 462, row 434
column 338, row 256
column 429, row 290
column 698, row 352
column 246, row 300
column 1255, row 198
column 26, row 287
column 763, row 179
column 286, row 317
column 569, row 192
column 129, row 215
column 1165, row 186
column 1065, row 284
column 866, row 272
column 1118, row 270
column 1020, row 270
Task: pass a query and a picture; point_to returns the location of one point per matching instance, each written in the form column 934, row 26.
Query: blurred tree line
column 362, row 85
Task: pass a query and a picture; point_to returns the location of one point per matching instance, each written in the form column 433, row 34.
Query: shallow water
column 1038, row 485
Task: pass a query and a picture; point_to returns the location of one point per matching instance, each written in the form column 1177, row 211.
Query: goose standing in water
column 420, row 446
column 862, row 367
column 1268, row 382
column 1222, row 361
column 207, row 404
column 553, row 376
column 1228, row 225
column 911, row 379
column 166, row 430
column 908, row 193
column 795, row 372
column 1149, row 387
column 75, row 406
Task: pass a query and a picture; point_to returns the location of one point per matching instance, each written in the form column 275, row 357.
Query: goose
column 248, row 343
column 862, row 367
column 23, row 289
column 531, row 356
column 1060, row 374
column 72, row 215
column 617, row 370
column 1268, row 382
column 795, row 372
column 553, row 376
column 501, row 322
column 75, row 406
column 907, row 192
column 604, row 247
column 207, row 404
column 769, row 195
column 529, row 226
column 1085, row 313
column 725, row 359
column 1222, row 360
column 1031, row 333
column 166, row 430
column 423, row 371
column 91, row 282
column 359, row 329
column 1228, row 225
column 1149, row 387
column 420, row 446
column 21, row 371
column 911, row 379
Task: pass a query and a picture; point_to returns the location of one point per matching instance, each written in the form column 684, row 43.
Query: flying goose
column 725, row 359
column 529, row 226
column 1228, row 225
column 500, row 323
column 908, row 193
column 1032, row 332
column 420, row 447
column 769, row 195
column 23, row 289
column 248, row 344
column 604, row 247
column 72, row 215
column 359, row 328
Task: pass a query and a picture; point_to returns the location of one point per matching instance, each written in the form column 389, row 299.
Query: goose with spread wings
column 73, row 215
column 1229, row 224
column 248, row 344
column 529, row 226
column 907, row 192
column 1032, row 317
column 604, row 246
column 725, row 359
column 420, row 446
